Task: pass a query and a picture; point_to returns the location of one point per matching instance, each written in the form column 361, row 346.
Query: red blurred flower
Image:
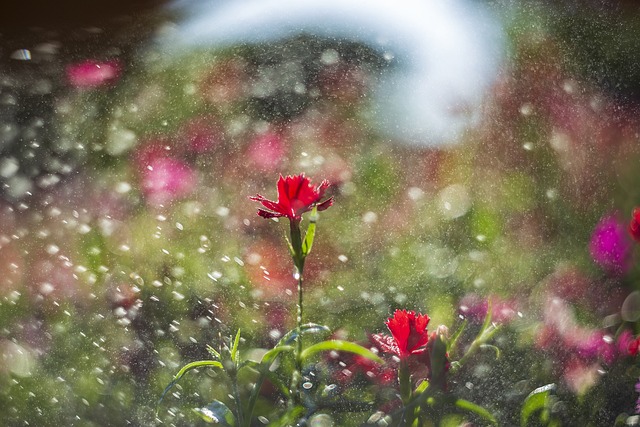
column 634, row 225
column 296, row 196
column 408, row 334
column 90, row 73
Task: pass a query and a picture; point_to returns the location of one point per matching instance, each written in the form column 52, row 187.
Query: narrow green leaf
column 451, row 345
column 270, row 355
column 487, row 319
column 186, row 368
column 217, row 412
column 213, row 352
column 290, row 246
column 492, row 347
column 339, row 345
column 234, row 349
column 476, row 409
column 310, row 234
column 424, row 384
column 535, row 401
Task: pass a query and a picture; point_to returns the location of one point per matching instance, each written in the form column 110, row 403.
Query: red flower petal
column 296, row 196
column 386, row 343
column 409, row 331
column 634, row 225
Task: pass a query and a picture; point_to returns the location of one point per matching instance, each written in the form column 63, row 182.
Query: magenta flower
column 166, row 179
column 610, row 246
column 90, row 73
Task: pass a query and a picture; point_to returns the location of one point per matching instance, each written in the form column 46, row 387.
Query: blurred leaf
column 311, row 232
column 476, row 409
column 270, row 355
column 491, row 347
column 308, row 328
column 535, row 401
column 234, row 349
column 187, row 368
column 213, row 352
column 217, row 412
column 451, row 344
column 339, row 345
column 289, row 418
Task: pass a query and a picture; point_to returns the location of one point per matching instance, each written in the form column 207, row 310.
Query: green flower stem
column 404, row 379
column 484, row 336
column 298, row 261
column 236, row 395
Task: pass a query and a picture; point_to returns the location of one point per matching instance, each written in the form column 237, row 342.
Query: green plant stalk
column 236, row 395
column 484, row 336
column 298, row 261
column 404, row 379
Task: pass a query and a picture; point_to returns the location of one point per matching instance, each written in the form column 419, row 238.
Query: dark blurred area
column 18, row 16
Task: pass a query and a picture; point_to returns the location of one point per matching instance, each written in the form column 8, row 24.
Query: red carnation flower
column 296, row 196
column 408, row 334
column 634, row 225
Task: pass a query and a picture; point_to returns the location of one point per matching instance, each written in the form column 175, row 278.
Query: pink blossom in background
column 201, row 135
column 165, row 179
column 91, row 73
column 475, row 307
column 610, row 246
column 266, row 151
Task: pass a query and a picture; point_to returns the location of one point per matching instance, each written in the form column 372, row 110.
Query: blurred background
column 483, row 155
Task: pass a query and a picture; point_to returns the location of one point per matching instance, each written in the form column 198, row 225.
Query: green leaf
column 311, row 232
column 217, row 412
column 476, row 409
column 289, row 418
column 307, row 328
column 213, row 352
column 492, row 347
column 424, row 384
column 187, row 368
column 451, row 344
column 290, row 246
column 234, row 349
column 535, row 401
column 270, row 355
column 487, row 319
column 339, row 345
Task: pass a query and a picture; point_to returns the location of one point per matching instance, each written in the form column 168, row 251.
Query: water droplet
column 369, row 217
column 52, row 249
column 330, row 57
column 8, row 167
column 630, row 310
column 526, row 109
column 21, row 55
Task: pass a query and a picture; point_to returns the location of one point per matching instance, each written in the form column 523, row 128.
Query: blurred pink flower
column 610, row 247
column 475, row 308
column 266, row 151
column 166, row 179
column 201, row 135
column 580, row 376
column 91, row 73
